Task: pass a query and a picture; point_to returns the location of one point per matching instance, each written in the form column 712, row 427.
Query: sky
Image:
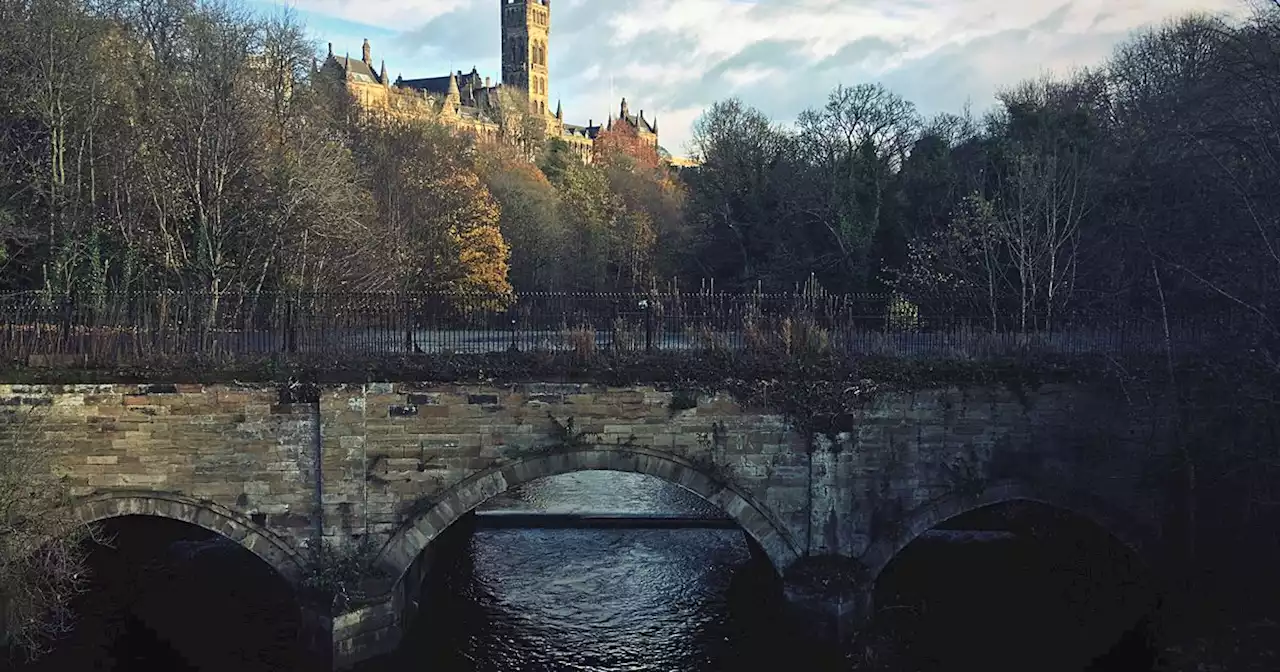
column 674, row 58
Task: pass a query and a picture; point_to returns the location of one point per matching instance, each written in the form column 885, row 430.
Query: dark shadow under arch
column 207, row 515
column 409, row 541
column 1137, row 537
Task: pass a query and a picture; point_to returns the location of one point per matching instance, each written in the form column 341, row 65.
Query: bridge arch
column 411, row 538
column 204, row 514
column 1136, row 536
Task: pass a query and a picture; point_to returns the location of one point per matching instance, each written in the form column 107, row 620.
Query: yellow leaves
column 482, row 258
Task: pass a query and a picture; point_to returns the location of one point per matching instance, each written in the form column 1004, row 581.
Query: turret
column 623, row 114
column 452, row 98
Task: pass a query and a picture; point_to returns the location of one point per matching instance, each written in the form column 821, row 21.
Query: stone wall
column 400, row 462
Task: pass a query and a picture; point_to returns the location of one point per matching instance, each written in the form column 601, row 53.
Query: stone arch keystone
column 411, row 538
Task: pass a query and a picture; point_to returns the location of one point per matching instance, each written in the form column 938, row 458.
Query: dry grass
column 706, row 338
column 627, row 337
column 581, row 341
column 803, row 338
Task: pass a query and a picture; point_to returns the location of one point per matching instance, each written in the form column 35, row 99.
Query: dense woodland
column 194, row 146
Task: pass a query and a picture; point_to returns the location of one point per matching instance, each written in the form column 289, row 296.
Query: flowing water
column 595, row 600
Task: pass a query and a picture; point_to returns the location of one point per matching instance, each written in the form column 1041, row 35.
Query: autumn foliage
column 622, row 144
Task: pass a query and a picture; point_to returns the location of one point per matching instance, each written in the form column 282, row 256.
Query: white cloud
column 675, row 57
column 743, row 77
column 390, row 14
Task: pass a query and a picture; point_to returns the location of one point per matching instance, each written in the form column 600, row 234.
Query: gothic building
column 468, row 101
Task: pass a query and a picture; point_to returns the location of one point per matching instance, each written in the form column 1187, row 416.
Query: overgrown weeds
column 337, row 573
column 581, row 342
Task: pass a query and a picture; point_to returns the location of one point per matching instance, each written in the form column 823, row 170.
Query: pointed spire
column 452, row 99
column 559, row 111
column 383, row 75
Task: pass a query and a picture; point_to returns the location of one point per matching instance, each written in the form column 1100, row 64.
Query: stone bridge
column 398, row 463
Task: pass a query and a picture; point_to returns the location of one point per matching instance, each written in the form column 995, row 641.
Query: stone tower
column 526, row 31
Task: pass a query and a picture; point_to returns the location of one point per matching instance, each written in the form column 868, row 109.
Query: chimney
column 330, row 50
column 486, row 82
column 367, row 54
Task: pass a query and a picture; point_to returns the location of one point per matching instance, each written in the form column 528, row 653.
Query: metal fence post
column 290, row 326
column 648, row 325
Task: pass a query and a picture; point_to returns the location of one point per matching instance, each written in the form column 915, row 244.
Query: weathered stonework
column 401, row 462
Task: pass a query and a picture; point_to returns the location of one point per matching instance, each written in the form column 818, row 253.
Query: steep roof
column 466, row 80
column 357, row 69
column 471, row 88
column 638, row 121
column 583, row 131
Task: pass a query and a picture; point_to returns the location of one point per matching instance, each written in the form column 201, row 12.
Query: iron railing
column 146, row 327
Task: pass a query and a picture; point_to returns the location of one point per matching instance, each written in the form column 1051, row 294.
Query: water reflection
column 590, row 599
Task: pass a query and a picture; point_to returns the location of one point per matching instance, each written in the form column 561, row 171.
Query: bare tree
column 1042, row 193
column 854, row 145
column 42, row 557
column 1039, row 207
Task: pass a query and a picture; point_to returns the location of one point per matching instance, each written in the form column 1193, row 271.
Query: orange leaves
column 623, row 144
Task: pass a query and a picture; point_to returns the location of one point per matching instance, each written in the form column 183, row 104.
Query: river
column 600, row 600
